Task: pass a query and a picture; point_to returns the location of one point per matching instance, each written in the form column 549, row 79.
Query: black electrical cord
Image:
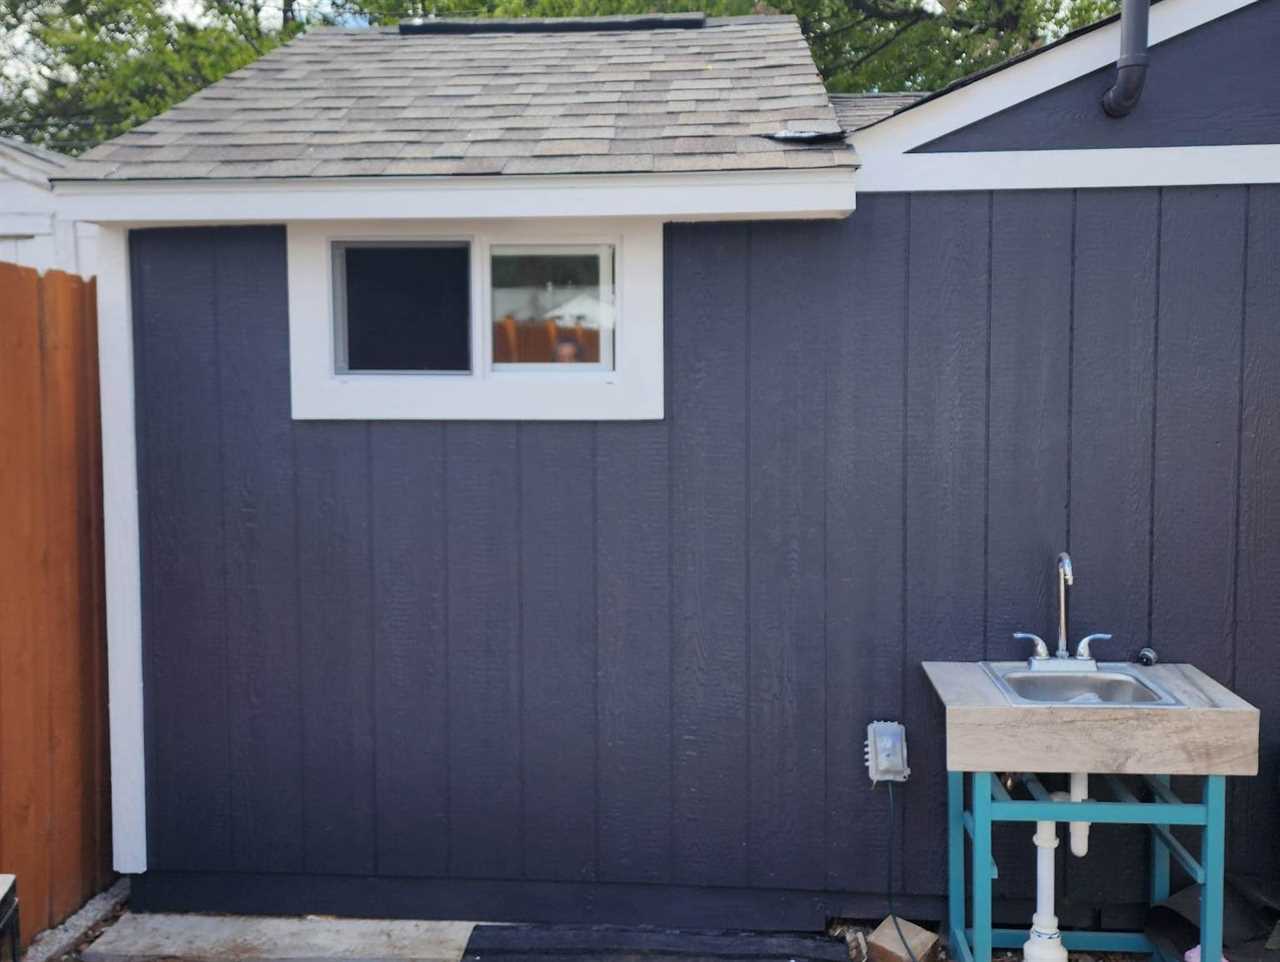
column 889, row 881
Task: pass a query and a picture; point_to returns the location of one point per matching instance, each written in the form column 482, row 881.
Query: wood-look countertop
column 1216, row 733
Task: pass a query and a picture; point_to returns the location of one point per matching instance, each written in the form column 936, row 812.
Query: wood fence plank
column 66, row 717
column 24, row 682
column 54, row 822
column 98, row 840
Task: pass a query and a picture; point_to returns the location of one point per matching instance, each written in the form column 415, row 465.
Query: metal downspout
column 1131, row 68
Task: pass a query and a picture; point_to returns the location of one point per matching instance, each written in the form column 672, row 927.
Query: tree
column 87, row 70
column 83, row 71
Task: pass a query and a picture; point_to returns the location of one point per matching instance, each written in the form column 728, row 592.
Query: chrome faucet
column 1065, row 580
column 1040, row 659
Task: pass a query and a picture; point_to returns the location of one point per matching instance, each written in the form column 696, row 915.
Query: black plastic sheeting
column 610, row 943
column 1250, row 914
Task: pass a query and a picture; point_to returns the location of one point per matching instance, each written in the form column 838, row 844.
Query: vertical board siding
column 866, row 396
column 558, row 633
column 1197, row 426
column 482, row 518
column 259, row 553
column 335, row 606
column 633, row 659
column 1029, row 400
column 1112, row 400
column 625, row 656
column 786, row 545
column 184, row 602
column 1257, row 674
column 411, row 691
column 53, row 780
column 708, row 418
column 946, row 443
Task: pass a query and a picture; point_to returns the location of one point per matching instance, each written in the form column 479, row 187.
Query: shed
column 33, row 231
column 426, row 600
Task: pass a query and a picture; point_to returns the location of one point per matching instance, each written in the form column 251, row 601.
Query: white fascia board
column 802, row 193
column 1067, row 169
column 1021, row 81
column 14, row 224
column 123, row 557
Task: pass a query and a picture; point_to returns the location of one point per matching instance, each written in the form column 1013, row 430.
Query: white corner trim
column 1067, row 169
column 123, row 558
column 822, row 193
column 1022, row 81
column 633, row 390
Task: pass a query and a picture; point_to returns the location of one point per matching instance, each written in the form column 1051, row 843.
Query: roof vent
column 807, row 136
column 663, row 21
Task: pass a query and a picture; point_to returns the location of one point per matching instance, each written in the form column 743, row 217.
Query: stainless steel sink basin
column 1110, row 684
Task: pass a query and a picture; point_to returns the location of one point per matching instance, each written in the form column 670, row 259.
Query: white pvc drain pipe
column 1045, row 941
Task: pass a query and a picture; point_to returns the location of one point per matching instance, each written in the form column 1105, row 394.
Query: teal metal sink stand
column 990, row 803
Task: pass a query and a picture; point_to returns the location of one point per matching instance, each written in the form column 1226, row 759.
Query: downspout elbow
column 1131, row 66
column 1131, row 77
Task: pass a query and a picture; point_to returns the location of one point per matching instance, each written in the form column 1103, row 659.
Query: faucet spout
column 1065, row 579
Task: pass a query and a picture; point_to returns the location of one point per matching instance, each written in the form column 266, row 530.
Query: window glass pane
column 553, row 305
column 404, row 307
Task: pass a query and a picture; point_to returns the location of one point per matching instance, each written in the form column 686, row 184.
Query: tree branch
column 878, row 49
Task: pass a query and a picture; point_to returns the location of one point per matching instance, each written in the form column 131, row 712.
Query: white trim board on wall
column 1066, row 169
column 123, row 555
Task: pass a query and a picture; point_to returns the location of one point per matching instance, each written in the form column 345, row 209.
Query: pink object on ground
column 1193, row 955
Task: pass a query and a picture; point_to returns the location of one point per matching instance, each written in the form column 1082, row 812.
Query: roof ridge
column 609, row 22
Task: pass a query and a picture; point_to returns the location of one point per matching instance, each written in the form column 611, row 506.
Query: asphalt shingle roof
column 855, row 111
column 352, row 103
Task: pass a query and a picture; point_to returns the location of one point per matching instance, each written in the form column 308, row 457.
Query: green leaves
column 82, row 71
column 87, row 70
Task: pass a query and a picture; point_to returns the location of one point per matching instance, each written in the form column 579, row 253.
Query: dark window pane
column 408, row 308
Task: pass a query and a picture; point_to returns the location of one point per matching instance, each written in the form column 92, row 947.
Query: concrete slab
column 58, row 941
column 246, row 938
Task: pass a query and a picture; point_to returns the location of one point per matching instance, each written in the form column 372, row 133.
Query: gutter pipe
column 1131, row 67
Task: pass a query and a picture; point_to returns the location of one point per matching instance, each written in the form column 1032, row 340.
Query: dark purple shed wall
column 621, row 672
column 1218, row 84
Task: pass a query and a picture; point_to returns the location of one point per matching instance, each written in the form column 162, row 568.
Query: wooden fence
column 54, row 821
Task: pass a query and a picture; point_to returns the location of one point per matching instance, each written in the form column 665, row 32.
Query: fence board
column 53, row 823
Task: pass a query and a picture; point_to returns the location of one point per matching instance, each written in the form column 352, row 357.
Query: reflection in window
column 553, row 305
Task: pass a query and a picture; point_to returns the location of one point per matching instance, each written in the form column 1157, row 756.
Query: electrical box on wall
column 886, row 752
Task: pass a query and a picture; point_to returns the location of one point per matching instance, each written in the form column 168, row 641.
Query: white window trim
column 633, row 390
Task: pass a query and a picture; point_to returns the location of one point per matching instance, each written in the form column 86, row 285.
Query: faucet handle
column 1082, row 649
column 1041, row 650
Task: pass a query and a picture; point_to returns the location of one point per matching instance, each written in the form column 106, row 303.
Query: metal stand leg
column 982, row 867
column 1213, row 859
column 1159, row 862
column 955, row 861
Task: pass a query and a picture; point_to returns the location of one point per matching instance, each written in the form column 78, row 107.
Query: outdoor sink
column 1109, row 684
column 1116, row 718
